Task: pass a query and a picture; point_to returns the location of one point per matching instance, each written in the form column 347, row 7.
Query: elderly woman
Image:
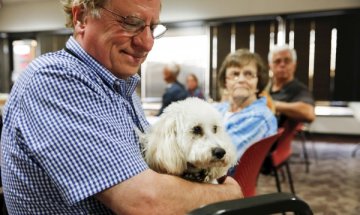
column 193, row 87
column 247, row 118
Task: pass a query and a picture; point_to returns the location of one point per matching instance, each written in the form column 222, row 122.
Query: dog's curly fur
column 189, row 141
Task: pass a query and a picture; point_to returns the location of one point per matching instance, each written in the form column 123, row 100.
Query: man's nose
column 144, row 39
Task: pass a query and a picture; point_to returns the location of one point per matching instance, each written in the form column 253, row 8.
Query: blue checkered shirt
column 249, row 125
column 69, row 134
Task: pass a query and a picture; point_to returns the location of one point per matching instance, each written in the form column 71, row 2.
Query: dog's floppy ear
column 163, row 153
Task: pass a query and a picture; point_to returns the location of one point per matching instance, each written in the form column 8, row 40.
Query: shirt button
column 116, row 86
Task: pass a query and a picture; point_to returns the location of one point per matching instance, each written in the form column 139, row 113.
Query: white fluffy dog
column 189, row 141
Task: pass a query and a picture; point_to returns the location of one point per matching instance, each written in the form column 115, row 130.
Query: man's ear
column 78, row 17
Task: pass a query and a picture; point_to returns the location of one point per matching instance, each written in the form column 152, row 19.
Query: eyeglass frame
column 249, row 76
column 139, row 28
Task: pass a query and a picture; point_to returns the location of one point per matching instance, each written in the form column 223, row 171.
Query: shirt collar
column 124, row 87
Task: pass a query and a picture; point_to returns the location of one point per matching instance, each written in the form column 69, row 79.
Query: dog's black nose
column 218, row 152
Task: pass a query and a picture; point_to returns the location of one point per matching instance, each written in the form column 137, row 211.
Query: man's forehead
column 282, row 53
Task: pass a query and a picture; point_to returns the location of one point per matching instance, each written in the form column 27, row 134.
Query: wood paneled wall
column 344, row 86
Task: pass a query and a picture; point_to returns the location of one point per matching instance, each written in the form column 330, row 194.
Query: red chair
column 282, row 152
column 248, row 169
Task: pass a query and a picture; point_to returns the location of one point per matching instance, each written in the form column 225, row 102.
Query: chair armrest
column 257, row 205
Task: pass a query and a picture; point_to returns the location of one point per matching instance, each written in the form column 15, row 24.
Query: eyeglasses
column 248, row 75
column 135, row 25
column 280, row 60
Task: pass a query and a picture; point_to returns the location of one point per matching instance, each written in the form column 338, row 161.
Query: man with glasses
column 292, row 98
column 68, row 142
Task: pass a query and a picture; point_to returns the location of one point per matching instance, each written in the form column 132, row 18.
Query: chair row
column 275, row 149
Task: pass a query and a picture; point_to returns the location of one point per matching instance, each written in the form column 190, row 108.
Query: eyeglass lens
column 246, row 74
column 136, row 25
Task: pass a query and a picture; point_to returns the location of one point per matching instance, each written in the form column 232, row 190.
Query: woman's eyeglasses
column 248, row 75
column 135, row 25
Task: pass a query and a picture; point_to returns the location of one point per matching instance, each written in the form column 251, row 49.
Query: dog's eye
column 197, row 130
column 215, row 129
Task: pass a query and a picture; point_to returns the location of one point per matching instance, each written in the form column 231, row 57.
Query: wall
column 175, row 10
column 39, row 15
column 327, row 83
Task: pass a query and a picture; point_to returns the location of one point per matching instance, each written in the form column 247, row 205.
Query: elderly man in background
column 175, row 91
column 292, row 98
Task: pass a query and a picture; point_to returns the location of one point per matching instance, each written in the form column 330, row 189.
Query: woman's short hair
column 243, row 57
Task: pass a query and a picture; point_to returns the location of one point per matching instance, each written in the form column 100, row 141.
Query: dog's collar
column 194, row 174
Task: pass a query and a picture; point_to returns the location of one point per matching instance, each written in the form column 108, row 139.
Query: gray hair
column 280, row 48
column 174, row 68
column 90, row 6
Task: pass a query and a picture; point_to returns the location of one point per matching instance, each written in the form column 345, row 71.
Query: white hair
column 280, row 48
column 174, row 68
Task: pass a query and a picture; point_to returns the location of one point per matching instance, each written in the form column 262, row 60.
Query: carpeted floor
column 332, row 186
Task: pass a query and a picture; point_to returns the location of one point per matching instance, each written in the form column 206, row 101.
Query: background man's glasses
column 248, row 75
column 135, row 25
column 280, row 60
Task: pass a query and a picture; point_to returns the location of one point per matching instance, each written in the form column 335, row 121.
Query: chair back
column 283, row 149
column 248, row 168
column 273, row 203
